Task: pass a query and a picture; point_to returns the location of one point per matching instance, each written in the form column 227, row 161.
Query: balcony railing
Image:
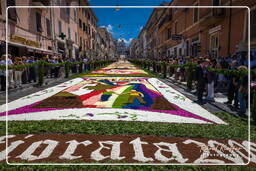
column 41, row 2
column 165, row 20
column 215, row 15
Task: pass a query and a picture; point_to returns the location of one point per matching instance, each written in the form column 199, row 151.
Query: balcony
column 41, row 2
column 214, row 16
column 164, row 21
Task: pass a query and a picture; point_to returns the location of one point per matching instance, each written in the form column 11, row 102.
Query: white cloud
column 109, row 28
column 127, row 42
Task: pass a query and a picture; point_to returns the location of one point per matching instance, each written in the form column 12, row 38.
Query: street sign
column 176, row 36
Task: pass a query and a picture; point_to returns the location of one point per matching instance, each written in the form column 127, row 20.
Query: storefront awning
column 30, row 47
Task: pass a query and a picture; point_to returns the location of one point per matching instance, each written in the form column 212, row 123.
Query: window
column 80, row 23
column 194, row 47
column 67, row 9
column 12, row 14
column 169, row 33
column 69, row 33
column 176, row 27
column 60, row 29
column 81, row 43
column 75, row 15
column 214, row 45
column 38, row 22
column 84, row 12
column 216, row 2
column 48, row 26
column 187, row 48
column 76, row 38
column 175, row 52
column 84, row 26
column 180, row 52
column 195, row 14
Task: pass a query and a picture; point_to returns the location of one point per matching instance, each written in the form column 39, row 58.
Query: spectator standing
column 200, row 77
column 24, row 76
column 210, row 83
column 3, row 74
column 18, row 72
column 61, row 68
column 233, row 86
column 242, row 93
column 56, row 68
column 32, row 70
column 10, row 72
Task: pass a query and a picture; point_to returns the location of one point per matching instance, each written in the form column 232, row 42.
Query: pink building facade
column 37, row 31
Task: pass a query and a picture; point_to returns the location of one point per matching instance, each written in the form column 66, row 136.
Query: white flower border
column 98, row 113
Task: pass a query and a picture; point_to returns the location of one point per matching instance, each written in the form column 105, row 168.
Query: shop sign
column 176, row 36
column 24, row 41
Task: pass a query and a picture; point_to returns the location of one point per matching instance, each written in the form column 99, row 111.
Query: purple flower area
column 179, row 111
column 122, row 116
column 90, row 114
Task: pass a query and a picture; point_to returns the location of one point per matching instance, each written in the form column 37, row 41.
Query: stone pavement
column 27, row 89
column 216, row 106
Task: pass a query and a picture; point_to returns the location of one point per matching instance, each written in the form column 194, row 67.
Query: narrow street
column 115, row 97
column 151, row 85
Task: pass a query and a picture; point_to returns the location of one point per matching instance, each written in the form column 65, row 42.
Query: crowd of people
column 207, row 82
column 26, row 75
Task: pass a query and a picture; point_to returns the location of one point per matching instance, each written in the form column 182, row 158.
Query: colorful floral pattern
column 111, row 98
column 118, row 68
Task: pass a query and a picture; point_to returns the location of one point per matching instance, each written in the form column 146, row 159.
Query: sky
column 124, row 23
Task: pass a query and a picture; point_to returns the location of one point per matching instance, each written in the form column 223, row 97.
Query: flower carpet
column 110, row 98
column 130, row 149
column 120, row 68
column 119, row 114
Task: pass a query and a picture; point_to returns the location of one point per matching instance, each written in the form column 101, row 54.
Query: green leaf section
column 122, row 99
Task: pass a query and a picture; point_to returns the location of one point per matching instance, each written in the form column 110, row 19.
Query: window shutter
column 38, row 22
column 12, row 14
column 48, row 25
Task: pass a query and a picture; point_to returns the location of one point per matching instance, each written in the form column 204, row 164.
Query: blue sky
column 126, row 22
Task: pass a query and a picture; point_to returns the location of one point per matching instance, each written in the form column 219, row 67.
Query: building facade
column 200, row 31
column 29, row 30
column 65, row 21
column 68, row 32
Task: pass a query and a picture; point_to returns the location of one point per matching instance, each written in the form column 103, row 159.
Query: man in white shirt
column 10, row 71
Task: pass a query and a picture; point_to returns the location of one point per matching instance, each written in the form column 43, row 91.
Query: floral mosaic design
column 119, row 68
column 111, row 98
